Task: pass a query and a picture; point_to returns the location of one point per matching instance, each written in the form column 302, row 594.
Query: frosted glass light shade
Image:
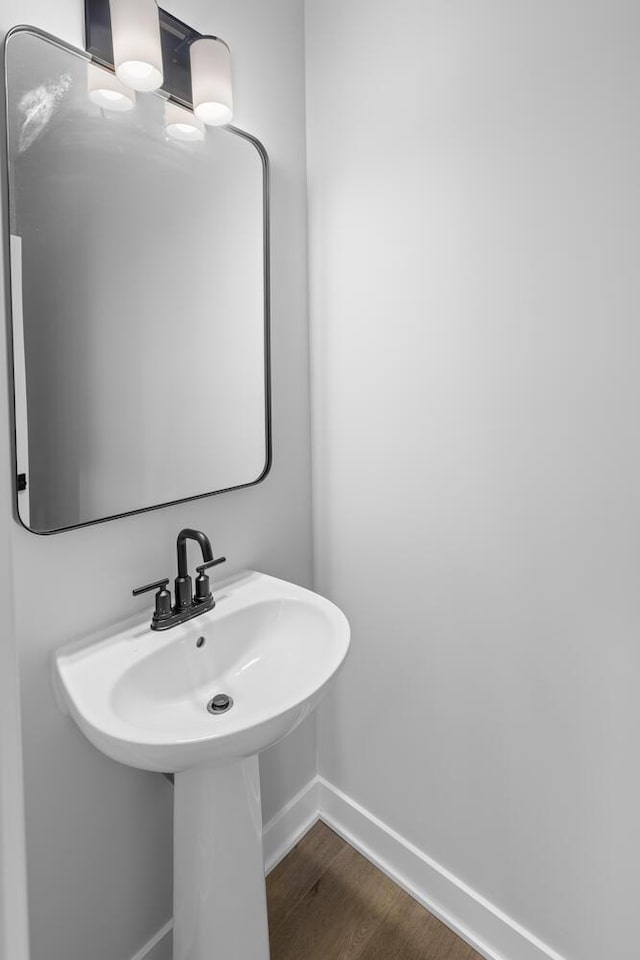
column 137, row 50
column 106, row 91
column 181, row 124
column 211, row 81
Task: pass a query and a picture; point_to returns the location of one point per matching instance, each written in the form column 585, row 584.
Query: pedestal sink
column 202, row 700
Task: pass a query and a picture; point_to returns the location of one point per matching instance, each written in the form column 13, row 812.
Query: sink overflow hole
column 220, row 703
column 200, row 642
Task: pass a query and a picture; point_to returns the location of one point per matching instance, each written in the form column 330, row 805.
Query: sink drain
column 220, row 703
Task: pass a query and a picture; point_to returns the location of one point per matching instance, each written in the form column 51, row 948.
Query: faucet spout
column 205, row 546
column 188, row 604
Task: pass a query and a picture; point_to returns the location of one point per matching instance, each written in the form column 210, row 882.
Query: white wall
column 13, row 901
column 474, row 235
column 99, row 834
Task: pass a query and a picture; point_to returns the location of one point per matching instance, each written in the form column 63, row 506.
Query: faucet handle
column 159, row 585
column 203, row 589
column 210, row 563
column 163, row 598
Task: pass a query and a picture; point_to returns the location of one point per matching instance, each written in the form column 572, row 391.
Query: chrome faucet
column 187, row 605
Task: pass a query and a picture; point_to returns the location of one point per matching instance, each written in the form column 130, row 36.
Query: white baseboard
column 159, row 947
column 284, row 830
column 481, row 924
column 487, row 929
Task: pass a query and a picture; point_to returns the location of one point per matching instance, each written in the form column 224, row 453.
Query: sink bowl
column 141, row 696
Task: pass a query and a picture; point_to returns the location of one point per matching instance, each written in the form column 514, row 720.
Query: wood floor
column 326, row 902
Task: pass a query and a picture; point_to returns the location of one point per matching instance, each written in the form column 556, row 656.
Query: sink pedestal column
column 219, row 900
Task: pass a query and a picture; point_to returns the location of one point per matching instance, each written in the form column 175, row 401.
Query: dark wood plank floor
column 327, row 902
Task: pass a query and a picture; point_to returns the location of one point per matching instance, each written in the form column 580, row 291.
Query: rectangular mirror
column 140, row 295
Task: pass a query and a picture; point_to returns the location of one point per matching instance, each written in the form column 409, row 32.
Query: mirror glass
column 139, row 299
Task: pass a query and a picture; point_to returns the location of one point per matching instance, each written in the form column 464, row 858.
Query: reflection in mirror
column 139, row 295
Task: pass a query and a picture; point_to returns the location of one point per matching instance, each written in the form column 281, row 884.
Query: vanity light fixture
column 149, row 48
column 137, row 50
column 107, row 92
column 180, row 123
column 211, row 81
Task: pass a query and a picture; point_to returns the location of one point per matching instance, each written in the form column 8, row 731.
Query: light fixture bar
column 175, row 36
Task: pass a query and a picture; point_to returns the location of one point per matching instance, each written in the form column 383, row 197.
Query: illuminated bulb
column 181, row 124
column 211, row 81
column 106, row 91
column 137, row 50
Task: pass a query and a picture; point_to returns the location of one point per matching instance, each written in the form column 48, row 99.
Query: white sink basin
column 141, row 696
